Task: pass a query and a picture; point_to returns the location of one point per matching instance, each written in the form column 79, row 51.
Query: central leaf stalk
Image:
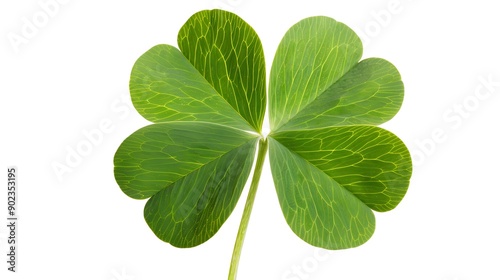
column 263, row 144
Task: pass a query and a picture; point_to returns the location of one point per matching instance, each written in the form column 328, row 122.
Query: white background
column 72, row 73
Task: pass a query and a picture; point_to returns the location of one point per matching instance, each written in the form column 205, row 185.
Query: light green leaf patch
column 313, row 54
column 165, row 87
column 371, row 93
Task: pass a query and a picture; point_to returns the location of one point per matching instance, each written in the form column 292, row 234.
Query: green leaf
column 194, row 173
column 164, row 86
column 370, row 93
column 312, row 55
column 330, row 164
column 316, row 207
column 156, row 156
column 228, row 53
column 369, row 162
column 192, row 209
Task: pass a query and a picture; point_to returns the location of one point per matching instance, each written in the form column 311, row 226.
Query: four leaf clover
column 331, row 164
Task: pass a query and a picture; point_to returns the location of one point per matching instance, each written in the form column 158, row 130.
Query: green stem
column 248, row 209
